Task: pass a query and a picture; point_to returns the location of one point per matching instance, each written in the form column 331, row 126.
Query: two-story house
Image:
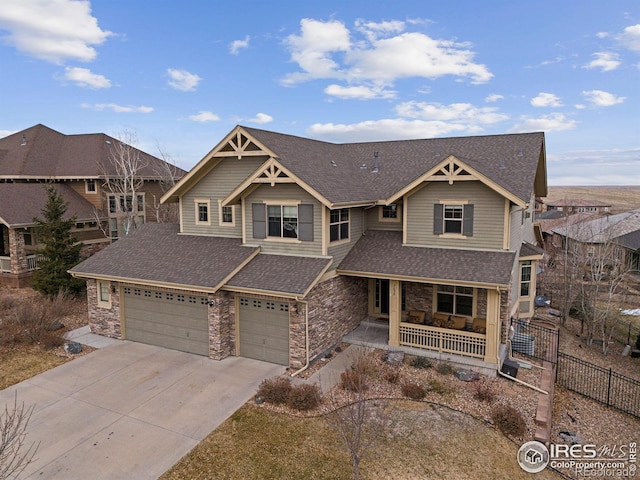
column 285, row 244
column 79, row 166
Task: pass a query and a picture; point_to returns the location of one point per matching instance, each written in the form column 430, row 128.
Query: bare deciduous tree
column 167, row 174
column 358, row 419
column 15, row 454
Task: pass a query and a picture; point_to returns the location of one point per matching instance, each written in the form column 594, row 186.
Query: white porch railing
column 443, row 340
column 5, row 264
column 33, row 261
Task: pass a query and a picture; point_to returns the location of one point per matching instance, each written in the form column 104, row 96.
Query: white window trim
column 232, row 223
column 474, row 305
column 86, row 186
column 197, row 202
column 102, row 303
column 383, row 219
column 453, row 203
column 531, row 265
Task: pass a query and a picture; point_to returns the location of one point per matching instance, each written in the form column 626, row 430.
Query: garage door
column 264, row 330
column 171, row 320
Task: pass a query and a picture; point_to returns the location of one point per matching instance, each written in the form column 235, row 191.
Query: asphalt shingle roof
column 509, row 160
column 280, row 273
column 382, row 253
column 602, row 229
column 20, row 203
column 42, row 152
column 157, row 253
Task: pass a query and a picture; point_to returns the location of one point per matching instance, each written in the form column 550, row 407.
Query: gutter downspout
column 306, row 335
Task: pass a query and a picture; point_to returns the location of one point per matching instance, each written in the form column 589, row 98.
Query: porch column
column 395, row 312
column 17, row 251
column 493, row 323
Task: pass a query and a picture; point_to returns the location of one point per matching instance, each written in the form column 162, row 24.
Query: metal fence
column 626, row 333
column 592, row 381
column 600, row 384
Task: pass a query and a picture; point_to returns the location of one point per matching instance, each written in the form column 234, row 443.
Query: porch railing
column 443, row 340
column 5, row 264
column 33, row 261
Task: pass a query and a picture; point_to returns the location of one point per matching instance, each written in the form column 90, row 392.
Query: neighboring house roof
column 577, row 202
column 280, row 274
column 550, row 215
column 549, row 224
column 630, row 240
column 603, row 229
column 40, row 152
column 22, row 202
column 380, row 253
column 334, row 170
column 156, row 254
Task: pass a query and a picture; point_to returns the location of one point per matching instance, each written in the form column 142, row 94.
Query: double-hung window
column 525, row 278
column 203, row 211
column 455, row 300
column 453, row 219
column 339, row 225
column 282, row 221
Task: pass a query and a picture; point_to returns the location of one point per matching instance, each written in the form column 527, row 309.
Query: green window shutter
column 305, row 222
column 438, row 214
column 467, row 221
column 259, row 213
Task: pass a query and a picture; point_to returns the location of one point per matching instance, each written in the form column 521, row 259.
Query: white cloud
column 118, row 108
column 607, row 61
column 83, row 77
column 204, row 116
column 52, row 30
column 455, row 112
column 360, row 92
column 601, row 98
column 385, row 129
column 554, row 122
column 183, row 80
column 261, row 118
column 546, row 100
column 611, row 166
column 382, row 56
column 630, row 37
column 6, row 133
column 602, row 34
column 237, row 45
column 494, row 97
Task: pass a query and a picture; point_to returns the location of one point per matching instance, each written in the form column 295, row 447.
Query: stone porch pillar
column 17, row 251
column 395, row 312
column 493, row 326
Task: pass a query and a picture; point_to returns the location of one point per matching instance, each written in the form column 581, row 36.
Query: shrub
column 51, row 340
column 365, row 364
column 7, row 302
column 437, row 386
column 421, row 362
column 444, row 368
column 484, row 391
column 304, row 397
column 509, row 421
column 392, row 375
column 275, row 390
column 354, row 381
column 413, row 391
column 34, row 317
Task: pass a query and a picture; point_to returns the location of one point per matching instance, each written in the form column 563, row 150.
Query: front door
column 381, row 296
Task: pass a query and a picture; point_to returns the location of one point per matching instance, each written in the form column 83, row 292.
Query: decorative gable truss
column 272, row 173
column 451, row 170
column 239, row 145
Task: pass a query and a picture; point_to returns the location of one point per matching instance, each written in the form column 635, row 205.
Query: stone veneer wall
column 18, row 252
column 504, row 315
column 336, row 306
column 419, row 296
column 221, row 312
column 104, row 321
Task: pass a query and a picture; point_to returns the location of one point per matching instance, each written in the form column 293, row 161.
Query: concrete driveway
column 130, row 411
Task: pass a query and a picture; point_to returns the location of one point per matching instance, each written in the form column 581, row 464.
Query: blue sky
column 182, row 74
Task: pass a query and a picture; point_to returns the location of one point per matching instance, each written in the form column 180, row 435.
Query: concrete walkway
column 84, row 336
column 130, row 411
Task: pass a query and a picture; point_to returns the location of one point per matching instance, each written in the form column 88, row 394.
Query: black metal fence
column 592, row 381
column 626, row 333
column 598, row 383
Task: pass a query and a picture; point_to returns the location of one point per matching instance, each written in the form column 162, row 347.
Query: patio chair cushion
column 479, row 325
column 458, row 323
column 416, row 316
column 440, row 320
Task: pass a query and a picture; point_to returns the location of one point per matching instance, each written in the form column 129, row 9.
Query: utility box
column 509, row 367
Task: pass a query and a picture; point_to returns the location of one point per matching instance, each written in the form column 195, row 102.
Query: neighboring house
column 571, row 206
column 285, row 244
column 77, row 166
column 614, row 239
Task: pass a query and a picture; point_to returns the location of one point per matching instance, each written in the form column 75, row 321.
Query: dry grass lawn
column 21, row 363
column 426, row 441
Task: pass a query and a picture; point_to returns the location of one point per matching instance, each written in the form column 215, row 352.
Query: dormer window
column 453, row 218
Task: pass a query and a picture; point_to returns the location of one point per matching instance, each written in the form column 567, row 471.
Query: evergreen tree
column 60, row 250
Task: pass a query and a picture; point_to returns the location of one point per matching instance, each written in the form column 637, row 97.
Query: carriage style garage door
column 171, row 320
column 264, row 330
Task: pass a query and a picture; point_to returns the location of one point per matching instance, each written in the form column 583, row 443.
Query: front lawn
column 426, row 441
